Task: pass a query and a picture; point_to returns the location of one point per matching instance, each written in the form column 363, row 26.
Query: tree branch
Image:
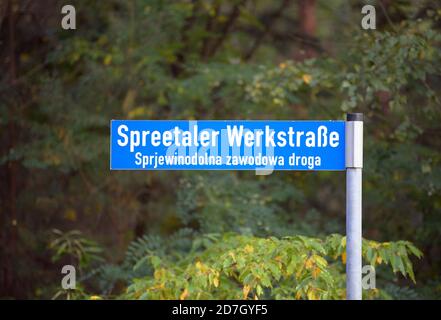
column 209, row 28
column 177, row 67
column 226, row 29
column 265, row 32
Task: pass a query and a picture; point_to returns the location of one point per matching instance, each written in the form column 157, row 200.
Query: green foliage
column 222, row 203
column 75, row 246
column 246, row 267
column 74, row 249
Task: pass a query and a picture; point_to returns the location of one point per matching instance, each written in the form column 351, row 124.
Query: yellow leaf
column 137, row 112
column 222, row 18
column 95, row 298
column 24, row 57
column 309, row 263
column 52, row 158
column 246, row 290
column 311, row 294
column 199, row 265
column 158, row 273
column 70, row 214
column 184, row 294
column 376, row 245
column 298, row 295
column 107, row 60
column 343, row 242
column 320, row 261
column 216, row 282
column 158, row 286
column 277, row 101
column 307, row 78
column 249, row 249
column 379, row 260
column 343, row 257
column 316, row 272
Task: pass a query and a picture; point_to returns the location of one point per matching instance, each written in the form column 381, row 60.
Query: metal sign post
column 354, row 165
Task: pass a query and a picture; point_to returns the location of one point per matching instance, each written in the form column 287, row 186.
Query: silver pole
column 354, row 165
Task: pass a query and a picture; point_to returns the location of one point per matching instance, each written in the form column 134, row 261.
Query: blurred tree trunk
column 308, row 28
column 22, row 26
column 308, row 23
column 9, row 233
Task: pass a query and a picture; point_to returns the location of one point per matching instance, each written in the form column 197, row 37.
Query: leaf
column 415, row 250
column 316, row 272
column 155, row 261
column 246, row 290
column 137, row 113
column 158, row 274
column 259, row 290
column 311, row 294
column 216, row 282
column 307, row 78
column 140, row 263
column 249, row 249
column 184, row 294
column 107, row 60
column 309, row 263
column 379, row 260
column 401, row 266
column 320, row 261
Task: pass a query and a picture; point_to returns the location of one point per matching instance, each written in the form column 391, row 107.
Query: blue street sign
column 227, row 145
